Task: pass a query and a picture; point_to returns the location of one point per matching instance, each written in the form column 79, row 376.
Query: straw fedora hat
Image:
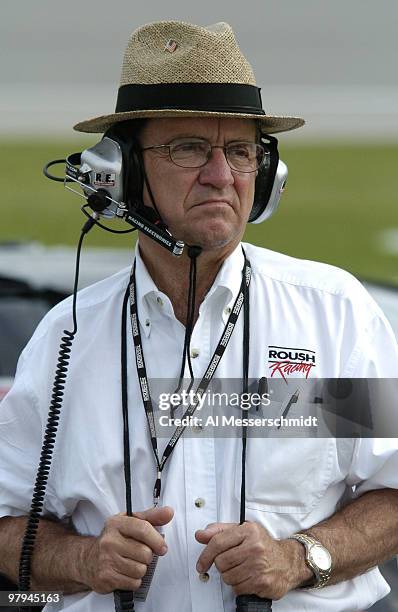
column 177, row 69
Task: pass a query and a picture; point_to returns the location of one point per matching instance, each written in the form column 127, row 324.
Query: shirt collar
column 148, row 295
column 226, row 283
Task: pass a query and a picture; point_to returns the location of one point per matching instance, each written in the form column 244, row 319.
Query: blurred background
column 333, row 63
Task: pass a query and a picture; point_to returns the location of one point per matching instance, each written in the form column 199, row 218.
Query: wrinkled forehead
column 218, row 130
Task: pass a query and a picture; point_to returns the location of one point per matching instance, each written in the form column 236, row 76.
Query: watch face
column 321, row 557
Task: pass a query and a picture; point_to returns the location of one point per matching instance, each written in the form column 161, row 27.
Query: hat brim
column 269, row 124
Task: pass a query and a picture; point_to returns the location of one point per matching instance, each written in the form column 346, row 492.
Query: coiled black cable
column 39, row 491
column 45, row 460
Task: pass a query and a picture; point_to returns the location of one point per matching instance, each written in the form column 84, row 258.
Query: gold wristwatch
column 318, row 559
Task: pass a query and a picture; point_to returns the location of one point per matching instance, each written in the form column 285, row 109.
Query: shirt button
column 199, row 502
column 159, row 301
column 227, row 310
column 147, row 322
column 194, row 353
column 204, row 577
column 197, row 428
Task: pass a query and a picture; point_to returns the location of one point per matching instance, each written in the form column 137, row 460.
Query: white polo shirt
column 292, row 483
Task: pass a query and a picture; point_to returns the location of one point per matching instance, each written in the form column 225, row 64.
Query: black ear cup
column 132, row 167
column 261, row 193
column 135, row 178
column 265, row 178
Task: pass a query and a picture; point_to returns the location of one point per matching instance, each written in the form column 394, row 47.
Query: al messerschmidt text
column 233, row 421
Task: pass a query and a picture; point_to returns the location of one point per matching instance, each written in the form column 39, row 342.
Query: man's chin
column 210, row 240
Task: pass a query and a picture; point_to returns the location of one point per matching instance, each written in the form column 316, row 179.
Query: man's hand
column 251, row 561
column 119, row 557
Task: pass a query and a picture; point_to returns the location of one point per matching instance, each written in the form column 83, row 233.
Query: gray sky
column 334, row 62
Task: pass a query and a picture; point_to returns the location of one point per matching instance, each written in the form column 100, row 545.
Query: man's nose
column 217, row 171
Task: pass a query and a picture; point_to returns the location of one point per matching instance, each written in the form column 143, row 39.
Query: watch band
column 322, row 576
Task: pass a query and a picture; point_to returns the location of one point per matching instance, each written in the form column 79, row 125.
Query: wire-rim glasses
column 241, row 156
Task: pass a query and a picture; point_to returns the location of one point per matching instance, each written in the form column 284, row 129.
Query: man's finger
column 236, row 575
column 205, row 535
column 243, row 588
column 156, row 516
column 140, row 527
column 230, row 558
column 218, row 544
column 142, row 552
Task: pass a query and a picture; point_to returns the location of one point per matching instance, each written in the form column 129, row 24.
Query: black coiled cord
column 39, row 491
column 45, row 460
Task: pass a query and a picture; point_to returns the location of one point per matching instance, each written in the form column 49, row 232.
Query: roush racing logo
column 286, row 361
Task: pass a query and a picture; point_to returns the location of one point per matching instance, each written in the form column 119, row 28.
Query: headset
column 111, row 175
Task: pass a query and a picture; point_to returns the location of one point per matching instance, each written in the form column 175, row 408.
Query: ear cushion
column 133, row 171
column 265, row 178
column 134, row 177
column 132, row 165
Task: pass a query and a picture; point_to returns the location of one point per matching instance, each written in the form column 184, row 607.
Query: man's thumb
column 156, row 516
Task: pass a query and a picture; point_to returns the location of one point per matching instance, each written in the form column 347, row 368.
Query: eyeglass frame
column 223, row 147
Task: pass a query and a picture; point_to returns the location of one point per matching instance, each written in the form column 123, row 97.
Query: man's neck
column 171, row 274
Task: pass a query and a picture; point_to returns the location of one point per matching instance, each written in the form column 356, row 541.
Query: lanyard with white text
column 204, row 383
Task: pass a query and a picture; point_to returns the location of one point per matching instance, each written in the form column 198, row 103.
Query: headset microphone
column 101, row 179
column 98, row 201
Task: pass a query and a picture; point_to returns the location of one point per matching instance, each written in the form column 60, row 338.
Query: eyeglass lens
column 241, row 156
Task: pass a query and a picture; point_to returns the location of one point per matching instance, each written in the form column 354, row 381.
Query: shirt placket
column 200, row 485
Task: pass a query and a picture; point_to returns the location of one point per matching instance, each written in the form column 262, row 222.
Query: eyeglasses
column 195, row 153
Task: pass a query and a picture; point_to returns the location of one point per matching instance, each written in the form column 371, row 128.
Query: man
column 200, row 157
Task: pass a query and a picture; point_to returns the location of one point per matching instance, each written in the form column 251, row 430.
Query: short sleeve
column 23, row 420
column 376, row 352
column 375, row 460
column 374, row 465
column 20, row 444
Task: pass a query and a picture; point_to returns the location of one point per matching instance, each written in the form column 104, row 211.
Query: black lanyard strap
column 244, row 602
column 204, row 383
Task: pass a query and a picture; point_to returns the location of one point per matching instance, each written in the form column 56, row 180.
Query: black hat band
column 206, row 97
